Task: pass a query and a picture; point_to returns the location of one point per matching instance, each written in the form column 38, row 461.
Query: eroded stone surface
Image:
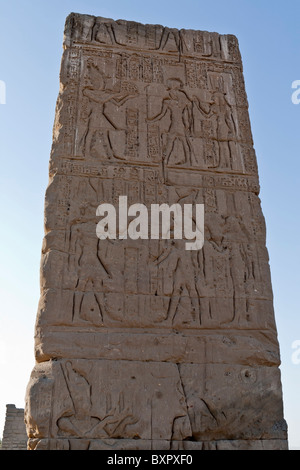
column 140, row 343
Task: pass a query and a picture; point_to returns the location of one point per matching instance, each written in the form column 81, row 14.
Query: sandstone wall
column 14, row 434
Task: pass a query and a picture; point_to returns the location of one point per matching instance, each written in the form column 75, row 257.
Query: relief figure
column 180, row 268
column 179, row 106
column 224, row 129
column 99, row 124
column 80, row 421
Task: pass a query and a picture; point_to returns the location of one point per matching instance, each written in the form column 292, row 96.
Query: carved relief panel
column 141, row 343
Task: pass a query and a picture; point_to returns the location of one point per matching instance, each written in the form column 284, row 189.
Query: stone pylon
column 141, row 343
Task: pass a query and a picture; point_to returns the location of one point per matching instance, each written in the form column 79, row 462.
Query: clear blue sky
column 31, row 35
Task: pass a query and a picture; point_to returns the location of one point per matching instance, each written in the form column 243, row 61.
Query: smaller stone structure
column 14, row 434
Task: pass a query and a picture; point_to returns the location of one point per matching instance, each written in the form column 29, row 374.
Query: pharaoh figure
column 99, row 124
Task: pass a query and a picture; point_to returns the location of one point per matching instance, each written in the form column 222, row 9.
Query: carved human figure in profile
column 238, row 239
column 180, row 266
column 179, row 106
column 221, row 116
column 225, row 128
column 99, row 124
column 181, row 269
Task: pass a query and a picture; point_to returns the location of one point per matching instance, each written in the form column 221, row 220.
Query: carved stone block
column 140, row 343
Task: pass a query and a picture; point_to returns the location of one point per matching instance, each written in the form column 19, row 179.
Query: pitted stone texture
column 141, row 343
